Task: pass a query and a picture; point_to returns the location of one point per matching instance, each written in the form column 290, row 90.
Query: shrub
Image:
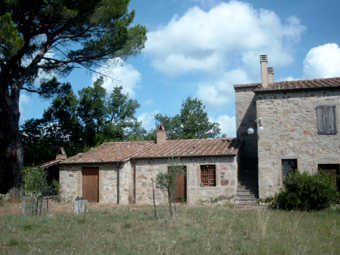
column 307, row 192
column 35, row 182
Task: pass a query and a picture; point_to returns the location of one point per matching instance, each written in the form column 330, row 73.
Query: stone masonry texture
column 117, row 183
column 290, row 132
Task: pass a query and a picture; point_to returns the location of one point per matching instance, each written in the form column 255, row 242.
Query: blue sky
column 200, row 48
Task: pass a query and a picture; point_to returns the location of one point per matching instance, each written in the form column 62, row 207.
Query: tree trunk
column 170, row 203
column 11, row 161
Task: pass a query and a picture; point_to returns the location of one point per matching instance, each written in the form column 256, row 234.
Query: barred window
column 208, row 175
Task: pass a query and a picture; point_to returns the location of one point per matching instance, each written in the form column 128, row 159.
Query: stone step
column 245, row 195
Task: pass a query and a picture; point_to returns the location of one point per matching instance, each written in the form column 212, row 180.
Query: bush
column 35, row 182
column 307, row 192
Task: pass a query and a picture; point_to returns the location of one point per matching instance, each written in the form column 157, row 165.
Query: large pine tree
column 53, row 36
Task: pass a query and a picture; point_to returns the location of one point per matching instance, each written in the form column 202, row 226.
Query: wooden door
column 91, row 184
column 332, row 170
column 181, row 187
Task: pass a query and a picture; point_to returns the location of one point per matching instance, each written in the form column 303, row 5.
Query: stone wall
column 246, row 118
column 226, row 178
column 71, row 182
column 135, row 179
column 290, row 132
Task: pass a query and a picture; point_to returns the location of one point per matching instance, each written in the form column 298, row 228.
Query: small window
column 288, row 166
column 208, row 175
column 326, row 119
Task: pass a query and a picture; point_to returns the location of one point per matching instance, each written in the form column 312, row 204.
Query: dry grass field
column 195, row 230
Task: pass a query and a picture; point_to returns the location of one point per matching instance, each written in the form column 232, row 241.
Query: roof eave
column 259, row 91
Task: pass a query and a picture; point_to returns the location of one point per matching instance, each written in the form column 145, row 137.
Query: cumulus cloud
column 23, row 101
column 220, row 92
column 148, row 119
column 322, row 61
column 227, row 125
column 226, row 35
column 116, row 73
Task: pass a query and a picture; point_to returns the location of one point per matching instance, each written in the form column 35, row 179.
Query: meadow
column 194, row 230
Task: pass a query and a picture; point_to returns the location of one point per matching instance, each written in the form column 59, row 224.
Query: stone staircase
column 245, row 195
column 247, row 188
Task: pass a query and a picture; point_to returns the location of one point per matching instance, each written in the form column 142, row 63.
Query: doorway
column 181, row 182
column 91, row 184
column 331, row 170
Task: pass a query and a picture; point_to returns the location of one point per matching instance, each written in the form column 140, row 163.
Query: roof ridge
column 285, row 81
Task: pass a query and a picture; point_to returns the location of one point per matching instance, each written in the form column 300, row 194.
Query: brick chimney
column 161, row 135
column 270, row 71
column 61, row 154
column 264, row 70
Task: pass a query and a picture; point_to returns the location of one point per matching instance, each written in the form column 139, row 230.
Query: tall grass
column 196, row 230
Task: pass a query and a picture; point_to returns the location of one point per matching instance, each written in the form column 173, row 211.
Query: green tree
column 53, row 36
column 121, row 120
column 167, row 182
column 79, row 123
column 92, row 111
column 192, row 122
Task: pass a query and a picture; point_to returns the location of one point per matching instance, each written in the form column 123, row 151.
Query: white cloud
column 322, row 61
column 24, row 100
column 118, row 73
column 228, row 34
column 220, row 92
column 148, row 119
column 227, row 125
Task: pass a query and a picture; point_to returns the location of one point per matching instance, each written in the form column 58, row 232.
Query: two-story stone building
column 287, row 125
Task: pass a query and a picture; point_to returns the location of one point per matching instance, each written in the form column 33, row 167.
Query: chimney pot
column 263, row 58
column 264, row 70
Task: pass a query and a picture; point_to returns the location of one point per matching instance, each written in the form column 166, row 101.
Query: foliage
column 167, row 182
column 81, row 122
column 35, row 181
column 306, row 192
column 191, row 122
column 52, row 38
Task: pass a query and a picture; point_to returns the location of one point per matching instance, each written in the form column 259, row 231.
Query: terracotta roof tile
column 121, row 151
column 191, row 148
column 302, row 84
column 110, row 152
column 294, row 85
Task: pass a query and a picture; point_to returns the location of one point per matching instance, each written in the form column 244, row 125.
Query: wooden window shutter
column 326, row 119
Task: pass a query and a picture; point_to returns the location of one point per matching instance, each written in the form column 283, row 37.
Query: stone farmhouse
column 288, row 125
column 125, row 172
column 281, row 126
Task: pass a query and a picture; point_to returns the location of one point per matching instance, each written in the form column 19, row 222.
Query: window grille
column 208, row 175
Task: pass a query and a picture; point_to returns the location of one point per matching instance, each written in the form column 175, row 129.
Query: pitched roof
column 191, row 148
column 110, row 152
column 328, row 83
column 121, row 151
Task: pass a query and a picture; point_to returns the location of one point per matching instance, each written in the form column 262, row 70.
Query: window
column 326, row 119
column 208, row 175
column 288, row 166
